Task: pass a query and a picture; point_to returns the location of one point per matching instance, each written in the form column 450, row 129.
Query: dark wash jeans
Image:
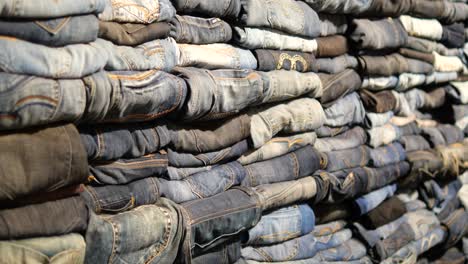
column 110, row 142
column 123, row 171
column 210, row 158
column 46, row 219
column 127, row 34
column 209, row 136
column 53, row 32
column 292, row 166
column 213, row 8
column 347, row 158
column 119, row 198
column 212, row 221
column 41, row 160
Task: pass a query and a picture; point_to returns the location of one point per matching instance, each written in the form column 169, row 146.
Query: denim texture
column 392, row 64
column 213, row 8
column 297, row 164
column 281, row 225
column 337, row 64
column 215, row 56
column 208, row 224
column 331, row 24
column 111, row 142
column 210, row 158
column 197, row 30
column 338, row 85
column 278, row 146
column 53, row 32
column 347, row 158
column 368, row 202
column 63, row 249
column 302, row 247
column 50, row 8
column 276, row 195
column 377, row 119
column 300, row 115
column 385, row 155
column 269, row 60
column 349, row 139
column 138, row 11
column 212, row 136
column 383, row 135
column 258, row 38
column 378, row 34
column 289, row 16
column 130, row 34
column 414, row 142
column 340, row 7
column 345, row 111
column 148, row 233
column 331, row 46
column 26, row 174
column 70, row 215
column 203, row 184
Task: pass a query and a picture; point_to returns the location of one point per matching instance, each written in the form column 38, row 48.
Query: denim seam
column 97, row 206
column 296, row 165
column 212, row 216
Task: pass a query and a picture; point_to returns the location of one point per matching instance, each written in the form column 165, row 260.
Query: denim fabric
column 277, row 195
column 257, row 38
column 289, row 16
column 377, row 119
column 213, row 8
column 383, row 135
column 210, row 158
column 434, row 136
column 50, row 8
column 427, row 57
column 226, row 253
column 288, row 60
column 326, row 131
column 451, row 133
column 111, row 142
column 160, row 54
column 337, row 64
column 336, row 86
column 378, row 34
column 349, row 139
column 331, row 46
column 211, row 221
column 41, row 160
column 128, row 34
column 138, row 11
column 368, row 202
column 414, row 228
column 68, row 248
column 53, row 32
column 281, row 225
column 278, row 146
column 203, row 184
column 212, row 136
column 69, row 215
column 300, row 115
column 215, row 56
column 401, row 82
column 29, row 101
column 123, row 171
column 387, row 8
column 174, row 173
column 424, row 163
column 339, row 7
column 349, row 251
column 128, row 96
column 411, row 128
column 347, row 158
column 300, row 163
column 389, row 154
column 71, row 61
column 392, row 64
column 427, row 46
column 350, row 183
column 386, row 212
column 364, row 260
column 423, row 28
column 119, row 198
column 197, row 30
column 302, row 247
column 379, row 102
column 148, row 233
column 230, row 88
column 331, row 24
column 416, row 248
column 456, row 225
column 414, row 142
column 345, row 111
column 453, row 36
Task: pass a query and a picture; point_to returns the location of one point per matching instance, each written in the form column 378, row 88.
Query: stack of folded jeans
column 233, row 131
